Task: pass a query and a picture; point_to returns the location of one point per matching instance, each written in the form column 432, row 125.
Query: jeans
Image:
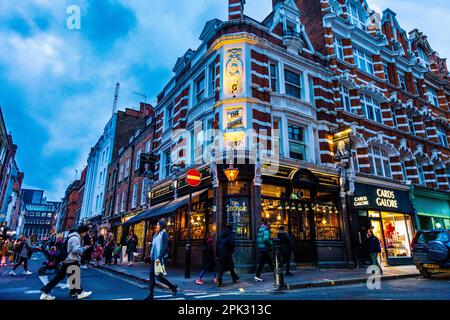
column 286, row 258
column 62, row 274
column 264, row 257
column 374, row 258
column 160, row 278
column 25, row 263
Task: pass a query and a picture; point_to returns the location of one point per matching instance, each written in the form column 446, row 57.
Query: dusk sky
column 57, row 85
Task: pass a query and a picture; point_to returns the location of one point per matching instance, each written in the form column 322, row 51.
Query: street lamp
column 231, row 173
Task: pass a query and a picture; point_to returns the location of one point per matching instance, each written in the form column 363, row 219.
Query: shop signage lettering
column 386, row 198
column 236, row 211
column 360, row 201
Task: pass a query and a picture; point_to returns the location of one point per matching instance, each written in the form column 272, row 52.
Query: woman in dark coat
column 225, row 250
column 286, row 248
column 208, row 262
column 132, row 241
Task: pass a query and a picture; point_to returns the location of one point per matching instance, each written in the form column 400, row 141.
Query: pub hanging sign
column 381, row 198
column 342, row 147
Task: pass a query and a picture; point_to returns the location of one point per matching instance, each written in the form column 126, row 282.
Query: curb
column 286, row 287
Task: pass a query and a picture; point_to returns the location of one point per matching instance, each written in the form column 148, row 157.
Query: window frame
column 292, row 140
column 288, row 84
column 345, row 93
column 370, row 103
column 273, row 75
column 432, row 97
column 442, row 136
column 199, row 95
column 383, row 157
column 360, row 56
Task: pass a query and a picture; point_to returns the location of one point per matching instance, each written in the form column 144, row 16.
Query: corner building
column 391, row 91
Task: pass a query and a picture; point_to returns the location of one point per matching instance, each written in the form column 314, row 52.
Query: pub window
column 327, row 222
column 345, row 99
column 273, row 75
column 371, row 108
column 297, row 143
column 197, row 222
column 238, row 216
column 293, row 83
column 379, row 162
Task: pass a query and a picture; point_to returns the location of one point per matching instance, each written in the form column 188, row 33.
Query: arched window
column 356, row 14
column 371, row 108
column 379, row 162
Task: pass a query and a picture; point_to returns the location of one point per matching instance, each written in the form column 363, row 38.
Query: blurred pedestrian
column 224, row 252
column 26, row 250
column 87, row 254
column 208, row 261
column 109, row 248
column 264, row 246
column 116, row 253
column 158, row 254
column 98, row 253
column 286, row 248
column 132, row 241
column 5, row 253
column 374, row 247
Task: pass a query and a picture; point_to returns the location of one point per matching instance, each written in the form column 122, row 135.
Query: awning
column 163, row 208
column 145, row 214
column 432, row 207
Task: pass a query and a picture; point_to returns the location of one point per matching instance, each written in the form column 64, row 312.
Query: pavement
column 302, row 278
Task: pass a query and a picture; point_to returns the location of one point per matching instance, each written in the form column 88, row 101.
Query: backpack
column 64, row 251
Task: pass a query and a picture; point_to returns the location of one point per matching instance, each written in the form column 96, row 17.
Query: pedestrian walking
column 208, row 261
column 26, row 249
column 116, row 253
column 98, row 253
column 87, row 254
column 286, row 248
column 17, row 248
column 264, row 245
column 132, row 241
column 224, row 252
column 158, row 254
column 70, row 256
column 109, row 248
column 374, row 248
column 5, row 253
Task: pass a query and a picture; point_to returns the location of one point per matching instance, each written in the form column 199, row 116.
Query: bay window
column 379, row 162
column 297, row 143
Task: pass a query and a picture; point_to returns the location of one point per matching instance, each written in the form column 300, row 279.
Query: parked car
column 430, row 251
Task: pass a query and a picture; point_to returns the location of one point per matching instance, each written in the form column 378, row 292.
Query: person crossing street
column 264, row 245
column 25, row 250
column 71, row 255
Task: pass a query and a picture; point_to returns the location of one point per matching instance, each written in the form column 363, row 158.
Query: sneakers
column 84, row 294
column 257, row 279
column 12, row 272
column 199, row 282
column 28, row 273
column 48, row 297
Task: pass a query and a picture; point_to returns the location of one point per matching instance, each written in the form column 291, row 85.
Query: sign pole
column 187, row 268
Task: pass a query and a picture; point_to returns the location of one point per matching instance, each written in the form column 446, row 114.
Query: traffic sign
column 193, row 178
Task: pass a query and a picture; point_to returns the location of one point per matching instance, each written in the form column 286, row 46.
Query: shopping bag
column 160, row 269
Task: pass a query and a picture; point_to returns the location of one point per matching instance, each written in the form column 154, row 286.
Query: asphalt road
column 107, row 286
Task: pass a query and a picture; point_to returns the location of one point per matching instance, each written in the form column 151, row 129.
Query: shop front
column 432, row 208
column 307, row 203
column 390, row 212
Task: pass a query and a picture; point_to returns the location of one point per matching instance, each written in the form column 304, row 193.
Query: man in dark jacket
column 374, row 247
column 224, row 252
column 158, row 253
column 286, row 248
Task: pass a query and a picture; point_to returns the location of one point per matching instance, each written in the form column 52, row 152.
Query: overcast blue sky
column 57, row 85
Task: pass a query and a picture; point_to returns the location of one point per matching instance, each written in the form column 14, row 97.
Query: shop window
column 273, row 75
column 293, row 83
column 297, row 144
column 397, row 234
column 363, row 61
column 379, row 162
column 345, row 99
column 139, row 230
column 371, row 108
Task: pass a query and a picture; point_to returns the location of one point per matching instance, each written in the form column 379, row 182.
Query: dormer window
column 357, row 15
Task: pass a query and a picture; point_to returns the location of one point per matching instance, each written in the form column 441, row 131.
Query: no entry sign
column 193, row 178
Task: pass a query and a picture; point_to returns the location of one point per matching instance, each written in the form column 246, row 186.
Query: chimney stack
column 235, row 9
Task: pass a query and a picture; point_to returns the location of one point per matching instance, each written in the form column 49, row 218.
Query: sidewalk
column 303, row 278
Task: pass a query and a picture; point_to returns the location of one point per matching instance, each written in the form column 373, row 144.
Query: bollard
column 279, row 277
